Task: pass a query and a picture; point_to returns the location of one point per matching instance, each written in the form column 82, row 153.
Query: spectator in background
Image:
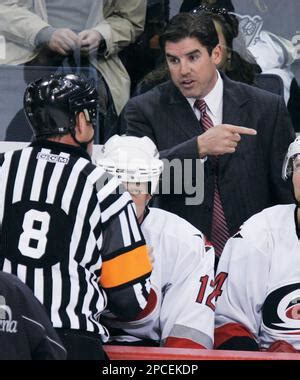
column 180, row 310
column 188, row 5
column 259, row 305
column 275, row 55
column 26, row 332
column 237, row 62
column 144, row 55
column 64, row 33
column 243, row 131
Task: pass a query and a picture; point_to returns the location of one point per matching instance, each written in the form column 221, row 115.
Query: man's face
column 191, row 68
column 91, row 144
column 84, row 131
column 140, row 197
column 296, row 177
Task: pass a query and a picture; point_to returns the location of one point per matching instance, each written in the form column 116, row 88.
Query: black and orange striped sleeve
column 126, row 266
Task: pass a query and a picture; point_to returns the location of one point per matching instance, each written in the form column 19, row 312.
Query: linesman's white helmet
column 131, row 159
column 293, row 151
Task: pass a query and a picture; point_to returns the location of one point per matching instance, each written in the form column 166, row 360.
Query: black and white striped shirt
column 64, row 228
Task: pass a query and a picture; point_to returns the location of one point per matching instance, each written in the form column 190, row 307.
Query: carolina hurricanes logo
column 281, row 310
column 293, row 309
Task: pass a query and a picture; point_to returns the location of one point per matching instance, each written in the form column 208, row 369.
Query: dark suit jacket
column 250, row 179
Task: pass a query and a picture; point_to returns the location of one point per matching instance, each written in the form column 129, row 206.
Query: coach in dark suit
column 249, row 158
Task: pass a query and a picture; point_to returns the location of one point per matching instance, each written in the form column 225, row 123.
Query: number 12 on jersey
column 216, row 285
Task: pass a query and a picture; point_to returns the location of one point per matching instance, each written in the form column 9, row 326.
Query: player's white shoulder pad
column 172, row 223
column 259, row 229
column 174, row 228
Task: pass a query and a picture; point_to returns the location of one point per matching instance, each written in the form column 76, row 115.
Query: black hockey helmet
column 51, row 104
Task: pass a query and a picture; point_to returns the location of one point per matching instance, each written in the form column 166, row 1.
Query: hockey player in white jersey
column 260, row 304
column 181, row 308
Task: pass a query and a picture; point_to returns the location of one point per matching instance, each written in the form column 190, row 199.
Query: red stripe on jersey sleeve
column 230, row 330
column 182, row 343
column 151, row 304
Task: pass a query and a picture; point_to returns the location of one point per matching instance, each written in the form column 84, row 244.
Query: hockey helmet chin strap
column 83, row 145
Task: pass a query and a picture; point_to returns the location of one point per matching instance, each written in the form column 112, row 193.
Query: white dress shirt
column 214, row 102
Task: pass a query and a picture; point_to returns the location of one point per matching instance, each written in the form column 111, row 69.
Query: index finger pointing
column 242, row 130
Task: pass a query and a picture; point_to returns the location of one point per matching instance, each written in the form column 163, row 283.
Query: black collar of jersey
column 57, row 146
column 146, row 212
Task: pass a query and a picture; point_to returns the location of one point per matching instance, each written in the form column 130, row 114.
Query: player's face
column 191, row 68
column 140, row 197
column 296, row 177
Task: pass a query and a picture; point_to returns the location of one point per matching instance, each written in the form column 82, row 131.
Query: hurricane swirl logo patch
column 281, row 310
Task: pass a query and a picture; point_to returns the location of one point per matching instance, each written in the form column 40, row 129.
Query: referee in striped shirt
column 68, row 230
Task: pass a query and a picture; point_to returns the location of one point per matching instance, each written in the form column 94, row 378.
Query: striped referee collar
column 60, row 147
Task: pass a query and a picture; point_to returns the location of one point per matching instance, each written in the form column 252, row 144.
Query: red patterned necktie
column 219, row 229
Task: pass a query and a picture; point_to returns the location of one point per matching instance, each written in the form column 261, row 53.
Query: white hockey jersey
column 182, row 280
column 262, row 290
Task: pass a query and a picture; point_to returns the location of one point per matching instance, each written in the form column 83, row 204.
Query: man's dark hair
column 187, row 25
